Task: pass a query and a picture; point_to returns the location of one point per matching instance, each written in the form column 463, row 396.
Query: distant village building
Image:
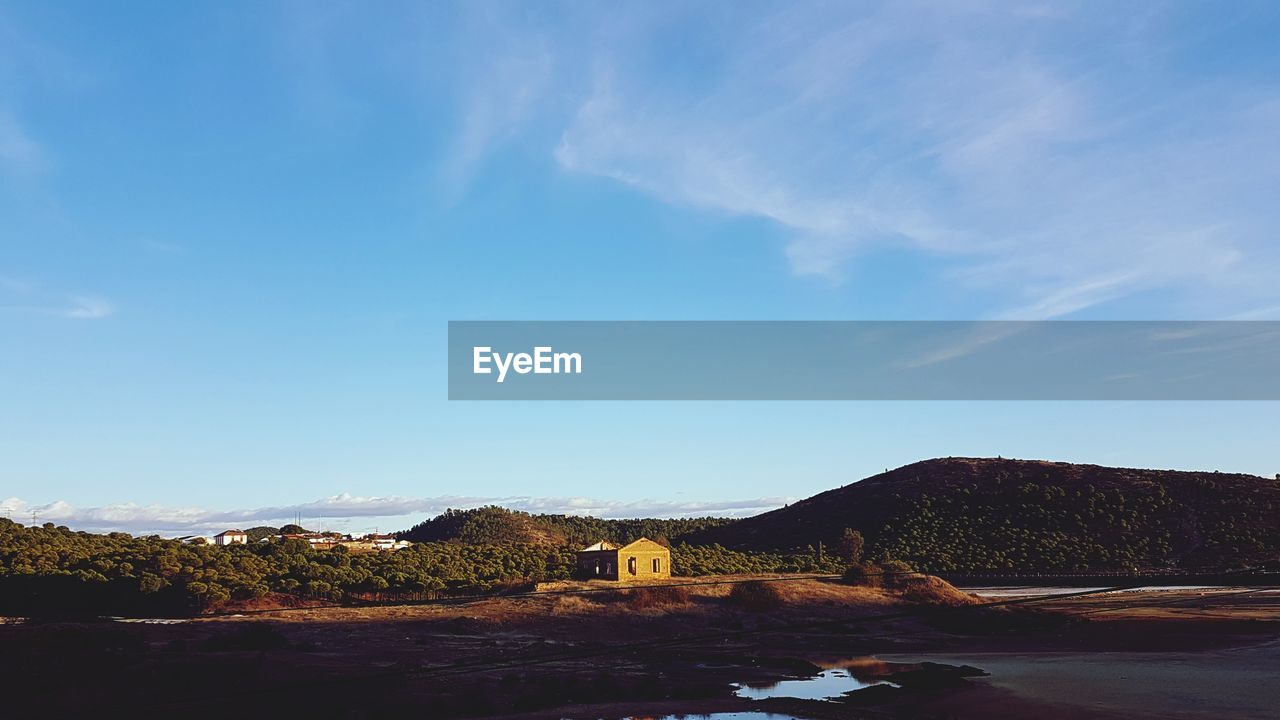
column 642, row 559
column 385, row 542
column 195, row 540
column 365, row 543
column 231, row 537
column 318, row 541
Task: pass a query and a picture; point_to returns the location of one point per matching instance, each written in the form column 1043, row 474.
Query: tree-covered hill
column 980, row 514
column 497, row 525
column 48, row 567
column 54, row 570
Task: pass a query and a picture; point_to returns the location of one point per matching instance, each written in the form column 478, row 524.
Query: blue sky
column 231, row 235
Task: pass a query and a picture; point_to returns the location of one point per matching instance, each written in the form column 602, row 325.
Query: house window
column 631, row 565
column 597, row 567
column 657, row 565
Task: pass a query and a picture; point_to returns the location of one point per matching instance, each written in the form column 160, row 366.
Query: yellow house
column 642, row 559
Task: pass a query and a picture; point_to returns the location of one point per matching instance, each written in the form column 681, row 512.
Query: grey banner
column 856, row 360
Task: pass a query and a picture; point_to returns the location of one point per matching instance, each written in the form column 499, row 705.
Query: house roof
column 230, row 532
column 642, row 541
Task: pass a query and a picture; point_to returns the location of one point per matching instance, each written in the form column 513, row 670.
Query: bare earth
column 613, row 655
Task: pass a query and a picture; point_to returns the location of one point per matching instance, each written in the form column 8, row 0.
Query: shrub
column 895, row 573
column 756, row 596
column 850, row 546
column 866, row 574
column 658, row 597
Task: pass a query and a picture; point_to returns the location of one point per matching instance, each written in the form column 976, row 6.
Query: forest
column 991, row 514
column 55, row 569
column 954, row 514
column 493, row 524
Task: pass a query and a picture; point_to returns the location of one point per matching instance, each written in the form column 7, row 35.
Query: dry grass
column 628, row 600
column 756, row 596
column 929, row 590
column 690, row 595
column 652, row 597
column 574, row 605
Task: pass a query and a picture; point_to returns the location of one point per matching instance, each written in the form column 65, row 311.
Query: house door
column 631, row 565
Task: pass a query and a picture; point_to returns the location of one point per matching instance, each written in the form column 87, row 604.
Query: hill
column 497, row 525
column 980, row 514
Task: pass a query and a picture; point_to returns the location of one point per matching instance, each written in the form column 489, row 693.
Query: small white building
column 231, row 537
column 319, row 541
column 385, row 542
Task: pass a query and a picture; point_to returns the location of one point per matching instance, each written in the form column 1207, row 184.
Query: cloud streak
column 1054, row 159
column 19, row 153
column 1061, row 183
column 26, row 297
column 342, row 510
column 85, row 308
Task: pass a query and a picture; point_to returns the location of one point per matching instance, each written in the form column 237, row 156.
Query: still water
column 1238, row 683
column 827, row 685
column 730, row 716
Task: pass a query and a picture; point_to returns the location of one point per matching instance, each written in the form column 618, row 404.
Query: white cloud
column 973, row 132
column 1054, row 157
column 342, row 510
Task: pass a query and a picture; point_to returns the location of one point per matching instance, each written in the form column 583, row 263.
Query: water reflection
column 827, row 685
column 726, row 716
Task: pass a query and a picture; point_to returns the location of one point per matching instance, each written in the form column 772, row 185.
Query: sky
column 232, row 234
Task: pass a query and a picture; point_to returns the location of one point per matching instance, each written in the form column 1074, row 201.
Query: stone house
column 642, row 559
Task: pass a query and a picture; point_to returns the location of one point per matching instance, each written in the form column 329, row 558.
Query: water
column 828, row 685
column 729, row 716
column 1025, row 591
column 1033, row 590
column 1236, row 683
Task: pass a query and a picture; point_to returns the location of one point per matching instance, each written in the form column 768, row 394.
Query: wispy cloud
column 1057, row 157
column 19, row 153
column 23, row 296
column 25, row 64
column 344, row 510
column 1038, row 171
column 974, row 338
column 501, row 77
column 85, row 308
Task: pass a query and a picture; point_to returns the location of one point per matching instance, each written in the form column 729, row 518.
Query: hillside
column 497, row 525
column 978, row 514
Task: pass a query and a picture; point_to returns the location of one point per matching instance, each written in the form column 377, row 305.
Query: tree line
column 52, row 568
column 498, row 525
